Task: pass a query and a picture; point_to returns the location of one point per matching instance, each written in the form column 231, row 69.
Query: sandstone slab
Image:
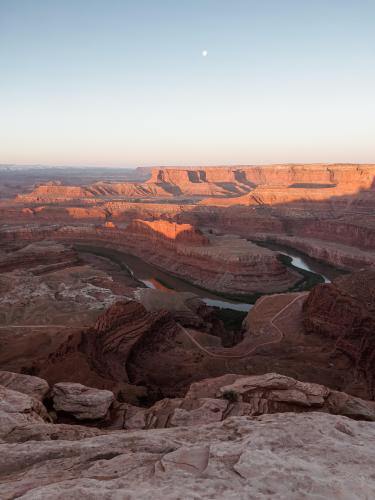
column 285, row 456
column 27, row 384
column 84, row 403
column 214, row 400
column 17, row 410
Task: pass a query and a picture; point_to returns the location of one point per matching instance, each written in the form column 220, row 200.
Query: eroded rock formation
column 84, row 403
column 345, row 311
column 213, row 442
column 238, row 458
column 227, row 264
column 214, row 400
column 32, row 386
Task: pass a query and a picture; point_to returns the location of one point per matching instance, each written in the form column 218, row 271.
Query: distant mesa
column 247, row 185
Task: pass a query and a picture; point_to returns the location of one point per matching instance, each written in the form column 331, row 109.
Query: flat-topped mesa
column 170, row 231
column 182, row 176
column 281, row 175
column 312, row 175
column 47, row 193
column 54, row 193
column 293, row 182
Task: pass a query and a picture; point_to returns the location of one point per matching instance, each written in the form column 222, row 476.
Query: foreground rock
column 216, row 399
column 17, row 410
column 27, row 384
column 38, row 431
column 84, row 403
column 285, row 456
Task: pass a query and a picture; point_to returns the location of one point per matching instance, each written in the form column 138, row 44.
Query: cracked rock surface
column 285, row 456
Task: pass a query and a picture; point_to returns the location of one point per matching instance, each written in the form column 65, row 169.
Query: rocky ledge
column 308, row 453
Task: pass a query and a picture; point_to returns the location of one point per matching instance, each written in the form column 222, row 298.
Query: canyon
column 157, row 335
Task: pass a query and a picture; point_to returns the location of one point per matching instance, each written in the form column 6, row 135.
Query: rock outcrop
column 39, row 257
column 84, row 403
column 213, row 400
column 99, row 355
column 169, row 231
column 345, row 311
column 18, row 409
column 229, row 437
column 186, row 308
column 239, row 458
column 27, row 384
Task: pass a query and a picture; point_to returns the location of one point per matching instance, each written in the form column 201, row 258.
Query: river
column 153, row 277
column 303, row 261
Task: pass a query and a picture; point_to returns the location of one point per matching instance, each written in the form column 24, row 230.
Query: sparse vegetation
column 231, row 318
column 231, row 396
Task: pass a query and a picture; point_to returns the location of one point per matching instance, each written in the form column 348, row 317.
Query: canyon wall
column 341, row 256
column 272, row 183
column 169, row 231
column 360, row 175
column 226, row 264
column 345, row 311
column 329, row 203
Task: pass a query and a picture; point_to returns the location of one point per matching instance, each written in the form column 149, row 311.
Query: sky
column 125, row 83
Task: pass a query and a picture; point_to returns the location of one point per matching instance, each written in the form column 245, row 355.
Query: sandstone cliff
column 345, row 311
column 226, row 264
column 272, row 183
column 170, row 231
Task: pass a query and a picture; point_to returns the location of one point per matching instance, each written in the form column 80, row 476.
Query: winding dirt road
column 254, row 348
column 196, row 343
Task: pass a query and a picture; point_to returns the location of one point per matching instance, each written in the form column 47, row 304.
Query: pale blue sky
column 115, row 82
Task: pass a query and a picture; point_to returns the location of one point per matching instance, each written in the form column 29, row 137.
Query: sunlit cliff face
column 248, row 185
column 170, row 231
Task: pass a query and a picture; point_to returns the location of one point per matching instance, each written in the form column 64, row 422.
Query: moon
column 204, row 53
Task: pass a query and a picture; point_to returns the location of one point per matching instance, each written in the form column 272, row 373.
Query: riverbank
column 151, row 276
column 302, row 260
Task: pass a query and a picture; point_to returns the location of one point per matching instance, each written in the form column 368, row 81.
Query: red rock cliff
column 345, row 310
column 163, row 229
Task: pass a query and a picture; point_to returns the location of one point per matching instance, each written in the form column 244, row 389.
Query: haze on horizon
column 125, row 83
